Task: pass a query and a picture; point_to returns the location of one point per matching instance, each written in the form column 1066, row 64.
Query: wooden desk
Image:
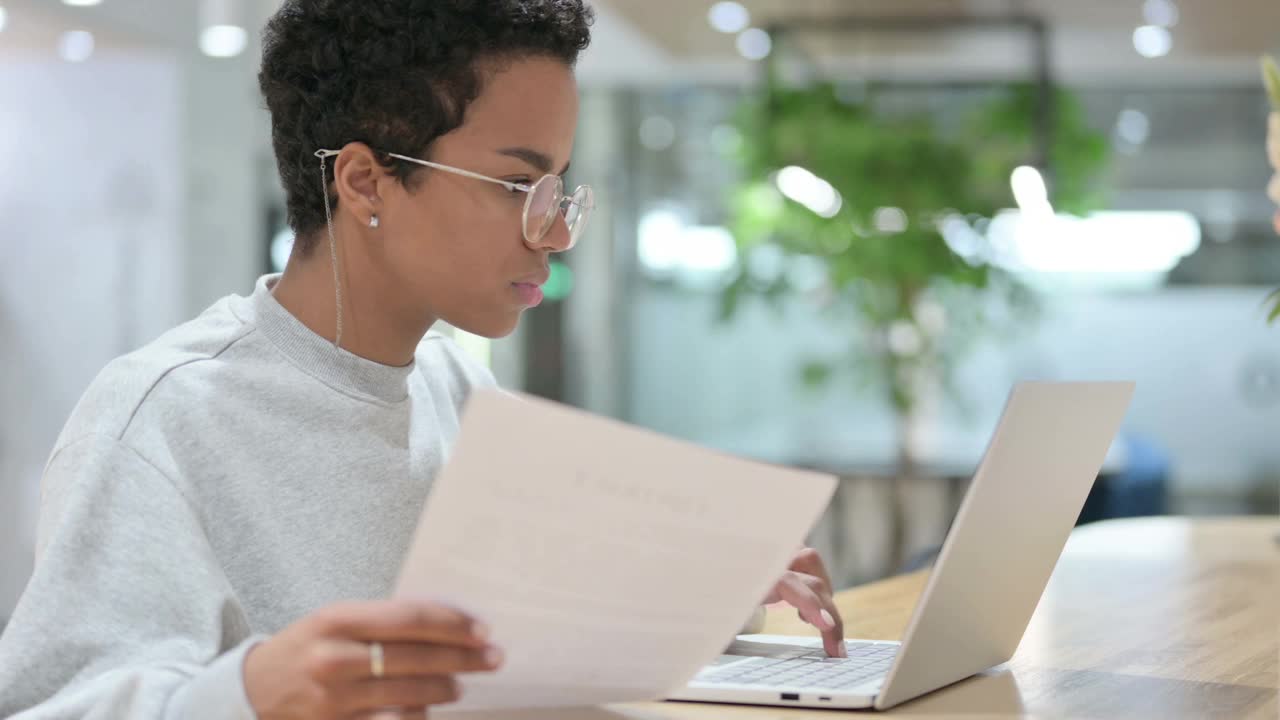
column 1159, row 619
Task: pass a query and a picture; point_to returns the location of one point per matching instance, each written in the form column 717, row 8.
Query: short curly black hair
column 394, row 74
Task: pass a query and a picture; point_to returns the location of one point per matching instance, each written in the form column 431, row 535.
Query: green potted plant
column 1271, row 78
column 863, row 196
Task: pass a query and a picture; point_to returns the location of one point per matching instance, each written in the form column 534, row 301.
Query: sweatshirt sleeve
column 128, row 614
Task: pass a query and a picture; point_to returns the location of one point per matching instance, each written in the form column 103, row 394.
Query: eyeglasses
column 546, row 199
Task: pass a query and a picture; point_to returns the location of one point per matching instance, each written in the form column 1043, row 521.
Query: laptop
column 1002, row 547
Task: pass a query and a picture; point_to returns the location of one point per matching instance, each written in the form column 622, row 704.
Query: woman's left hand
column 806, row 586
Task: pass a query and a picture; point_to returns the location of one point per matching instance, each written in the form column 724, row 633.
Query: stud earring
column 373, row 222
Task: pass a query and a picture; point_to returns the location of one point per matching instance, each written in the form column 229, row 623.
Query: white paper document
column 610, row 562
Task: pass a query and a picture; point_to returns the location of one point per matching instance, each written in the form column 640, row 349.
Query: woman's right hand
column 321, row 666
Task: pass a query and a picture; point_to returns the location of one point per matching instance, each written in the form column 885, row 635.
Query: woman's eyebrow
column 533, row 157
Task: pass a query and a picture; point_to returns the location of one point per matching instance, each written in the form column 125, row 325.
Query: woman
column 226, row 505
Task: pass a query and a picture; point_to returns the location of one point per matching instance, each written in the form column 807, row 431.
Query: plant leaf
column 1274, row 299
column 816, row 373
column 1271, row 78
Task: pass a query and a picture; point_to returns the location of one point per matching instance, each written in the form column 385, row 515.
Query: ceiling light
column 1133, row 126
column 223, row 41
column 76, row 46
column 1152, row 41
column 81, row 3
column 1103, row 242
column 754, row 44
column 222, row 34
column 729, row 17
column 1030, row 192
column 666, row 245
column 809, row 190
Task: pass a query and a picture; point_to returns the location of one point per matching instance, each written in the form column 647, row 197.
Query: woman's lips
column 530, row 294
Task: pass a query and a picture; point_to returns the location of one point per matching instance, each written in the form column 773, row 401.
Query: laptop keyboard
column 808, row 669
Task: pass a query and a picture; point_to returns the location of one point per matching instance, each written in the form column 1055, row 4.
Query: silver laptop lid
column 1006, row 538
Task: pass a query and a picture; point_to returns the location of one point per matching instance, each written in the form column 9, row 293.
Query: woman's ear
column 358, row 177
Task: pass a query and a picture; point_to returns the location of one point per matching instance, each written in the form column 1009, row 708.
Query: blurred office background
column 831, row 233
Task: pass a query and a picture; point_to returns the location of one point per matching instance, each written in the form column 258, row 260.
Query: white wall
column 226, row 146
column 90, row 252
column 132, row 198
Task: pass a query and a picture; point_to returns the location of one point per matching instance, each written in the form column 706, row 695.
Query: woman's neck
column 371, row 326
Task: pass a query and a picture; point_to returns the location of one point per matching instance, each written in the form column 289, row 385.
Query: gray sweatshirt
column 210, row 489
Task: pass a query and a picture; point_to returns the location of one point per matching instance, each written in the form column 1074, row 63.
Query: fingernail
column 493, row 657
column 479, row 630
column 844, row 651
column 828, row 622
